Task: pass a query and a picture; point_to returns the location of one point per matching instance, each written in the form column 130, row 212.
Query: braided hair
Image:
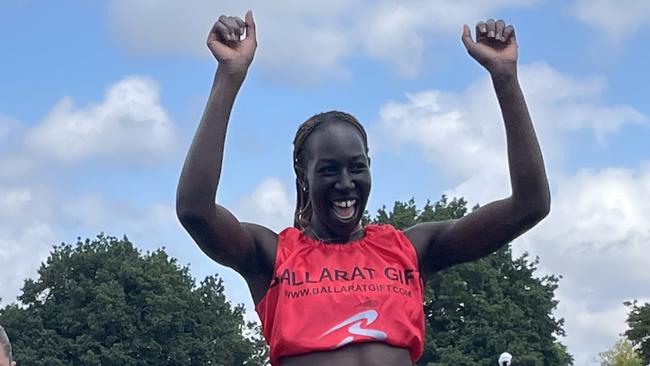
column 302, row 215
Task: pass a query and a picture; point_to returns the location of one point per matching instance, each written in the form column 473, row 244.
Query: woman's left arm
column 443, row 244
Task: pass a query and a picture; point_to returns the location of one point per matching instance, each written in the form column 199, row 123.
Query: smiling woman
column 331, row 156
column 329, row 291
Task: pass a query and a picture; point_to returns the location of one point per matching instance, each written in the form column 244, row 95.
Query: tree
column 101, row 302
column 476, row 311
column 621, row 354
column 638, row 321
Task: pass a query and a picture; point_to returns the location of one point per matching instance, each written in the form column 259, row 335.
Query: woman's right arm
column 215, row 229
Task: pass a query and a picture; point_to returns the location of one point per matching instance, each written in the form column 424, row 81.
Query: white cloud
column 463, row 132
column 267, row 205
column 436, row 122
column 398, row 31
column 304, row 40
column 590, row 331
column 597, row 238
column 13, row 201
column 618, row 19
column 7, row 126
column 26, row 235
column 15, row 167
column 92, row 211
column 599, row 219
column 291, row 41
column 128, row 123
column 36, row 213
column 24, row 204
column 21, row 250
column 33, row 219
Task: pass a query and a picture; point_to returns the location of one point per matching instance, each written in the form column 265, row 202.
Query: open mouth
column 345, row 210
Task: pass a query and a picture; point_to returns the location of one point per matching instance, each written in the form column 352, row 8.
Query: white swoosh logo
column 355, row 328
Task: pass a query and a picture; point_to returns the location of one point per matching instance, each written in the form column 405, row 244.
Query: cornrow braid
column 302, row 215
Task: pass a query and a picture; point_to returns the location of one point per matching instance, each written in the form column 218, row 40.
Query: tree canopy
column 638, row 321
column 102, row 302
column 476, row 311
column 621, row 354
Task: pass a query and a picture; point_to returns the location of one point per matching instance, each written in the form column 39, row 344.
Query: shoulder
column 269, row 244
column 423, row 236
column 387, row 233
column 260, row 233
column 265, row 241
column 424, row 233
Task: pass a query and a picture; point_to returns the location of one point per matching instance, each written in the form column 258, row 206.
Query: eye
column 358, row 167
column 327, row 170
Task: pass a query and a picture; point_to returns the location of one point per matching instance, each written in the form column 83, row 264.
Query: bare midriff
column 359, row 354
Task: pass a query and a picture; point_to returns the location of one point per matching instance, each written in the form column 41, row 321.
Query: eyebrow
column 325, row 160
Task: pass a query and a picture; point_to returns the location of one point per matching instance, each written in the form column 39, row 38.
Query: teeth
column 345, row 204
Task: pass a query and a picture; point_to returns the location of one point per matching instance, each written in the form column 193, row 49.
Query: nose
column 345, row 182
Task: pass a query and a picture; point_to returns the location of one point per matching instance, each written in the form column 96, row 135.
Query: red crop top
column 325, row 296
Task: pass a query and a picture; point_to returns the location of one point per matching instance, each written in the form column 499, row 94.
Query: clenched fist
column 233, row 53
column 495, row 47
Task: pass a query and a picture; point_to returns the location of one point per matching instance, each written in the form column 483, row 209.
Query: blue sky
column 99, row 101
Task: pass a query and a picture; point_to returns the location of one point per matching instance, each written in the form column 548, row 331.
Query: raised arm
column 217, row 232
column 442, row 244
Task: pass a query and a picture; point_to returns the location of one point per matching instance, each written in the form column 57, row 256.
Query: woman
column 327, row 290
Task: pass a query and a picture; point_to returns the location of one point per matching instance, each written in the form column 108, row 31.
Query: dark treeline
column 103, row 302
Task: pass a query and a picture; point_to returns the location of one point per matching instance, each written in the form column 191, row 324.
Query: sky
column 99, row 101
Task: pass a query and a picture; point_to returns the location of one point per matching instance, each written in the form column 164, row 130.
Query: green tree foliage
column 101, row 302
column 638, row 321
column 621, row 354
column 476, row 311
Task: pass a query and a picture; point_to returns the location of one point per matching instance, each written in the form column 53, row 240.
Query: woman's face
column 337, row 170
